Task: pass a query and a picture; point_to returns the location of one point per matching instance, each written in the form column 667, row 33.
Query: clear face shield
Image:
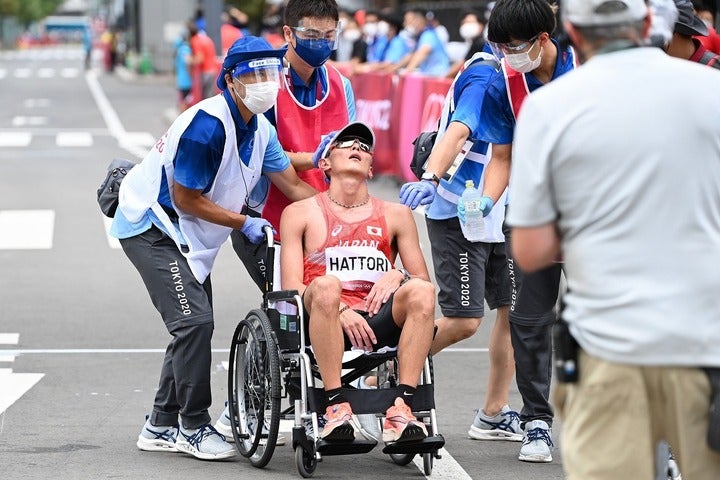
column 258, row 70
column 501, row 50
column 319, row 36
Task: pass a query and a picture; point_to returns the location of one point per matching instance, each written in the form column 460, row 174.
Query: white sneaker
column 223, row 427
column 204, row 443
column 369, row 423
column 537, row 443
column 503, row 426
column 154, row 438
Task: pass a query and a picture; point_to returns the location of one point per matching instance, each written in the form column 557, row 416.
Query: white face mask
column 370, row 29
column 352, row 35
column 470, row 30
column 259, row 97
column 411, row 30
column 521, row 61
column 383, row 28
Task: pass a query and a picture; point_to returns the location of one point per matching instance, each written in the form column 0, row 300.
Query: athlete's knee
column 420, row 296
column 323, row 292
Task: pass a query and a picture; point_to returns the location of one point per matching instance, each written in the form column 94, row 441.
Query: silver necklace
column 345, row 205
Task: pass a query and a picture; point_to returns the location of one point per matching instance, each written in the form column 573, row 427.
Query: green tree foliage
column 254, row 8
column 31, row 11
column 9, row 8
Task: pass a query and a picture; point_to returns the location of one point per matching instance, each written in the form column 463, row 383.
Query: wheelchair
column 269, row 362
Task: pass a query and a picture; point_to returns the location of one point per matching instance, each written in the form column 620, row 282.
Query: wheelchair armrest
column 281, row 295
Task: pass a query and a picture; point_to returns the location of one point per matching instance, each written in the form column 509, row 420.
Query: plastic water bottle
column 474, row 226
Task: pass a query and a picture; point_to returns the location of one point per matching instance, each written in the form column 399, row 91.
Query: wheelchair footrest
column 359, row 445
column 426, row 445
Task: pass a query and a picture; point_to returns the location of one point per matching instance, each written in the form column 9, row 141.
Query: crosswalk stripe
column 46, row 73
column 15, row 139
column 69, row 72
column 73, row 139
column 26, row 229
column 23, row 121
column 36, row 103
column 9, row 338
column 7, row 358
column 22, row 73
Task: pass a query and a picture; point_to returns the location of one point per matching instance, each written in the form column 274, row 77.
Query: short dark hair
column 296, row 10
column 417, row 11
column 475, row 13
column 520, row 20
column 394, row 20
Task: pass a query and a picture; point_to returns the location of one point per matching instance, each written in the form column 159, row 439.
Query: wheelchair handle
column 269, row 235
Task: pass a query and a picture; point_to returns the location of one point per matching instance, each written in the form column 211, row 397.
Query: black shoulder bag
column 107, row 194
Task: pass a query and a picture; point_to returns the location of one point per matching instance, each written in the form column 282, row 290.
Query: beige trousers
column 614, row 417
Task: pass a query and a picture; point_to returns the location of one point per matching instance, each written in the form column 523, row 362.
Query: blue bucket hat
column 246, row 48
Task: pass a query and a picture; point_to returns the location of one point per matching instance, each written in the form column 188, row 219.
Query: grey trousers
column 186, row 308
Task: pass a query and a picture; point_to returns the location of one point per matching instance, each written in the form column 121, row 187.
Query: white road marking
column 21, row 121
column 74, row 139
column 142, row 139
column 5, row 371
column 14, row 386
column 22, row 73
column 7, row 358
column 9, row 338
column 69, row 72
column 3, row 73
column 446, row 467
column 106, row 110
column 15, row 139
column 26, row 229
column 112, row 241
column 46, row 72
column 36, row 102
column 135, row 143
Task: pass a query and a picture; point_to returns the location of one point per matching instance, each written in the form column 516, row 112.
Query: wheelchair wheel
column 305, row 461
column 402, row 459
column 271, row 389
column 254, row 384
column 427, row 463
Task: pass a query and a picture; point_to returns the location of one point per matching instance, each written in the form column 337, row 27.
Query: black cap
column 688, row 23
column 358, row 130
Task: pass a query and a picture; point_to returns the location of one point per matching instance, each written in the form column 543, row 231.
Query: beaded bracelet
column 343, row 307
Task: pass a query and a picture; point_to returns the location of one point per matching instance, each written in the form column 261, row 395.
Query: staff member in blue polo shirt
column 177, row 207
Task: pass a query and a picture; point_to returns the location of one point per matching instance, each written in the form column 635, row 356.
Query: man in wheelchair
column 338, row 251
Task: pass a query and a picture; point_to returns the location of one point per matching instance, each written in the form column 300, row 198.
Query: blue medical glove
column 486, row 205
column 413, row 194
column 253, row 229
column 322, row 146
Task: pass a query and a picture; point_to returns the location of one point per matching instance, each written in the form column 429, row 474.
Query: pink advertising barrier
column 398, row 109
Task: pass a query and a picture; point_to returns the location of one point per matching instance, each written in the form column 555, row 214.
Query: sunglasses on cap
column 349, row 142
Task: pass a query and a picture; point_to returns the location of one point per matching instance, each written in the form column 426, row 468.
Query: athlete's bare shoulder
column 301, row 210
column 398, row 215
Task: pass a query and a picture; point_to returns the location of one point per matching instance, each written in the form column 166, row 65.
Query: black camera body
column 566, row 353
